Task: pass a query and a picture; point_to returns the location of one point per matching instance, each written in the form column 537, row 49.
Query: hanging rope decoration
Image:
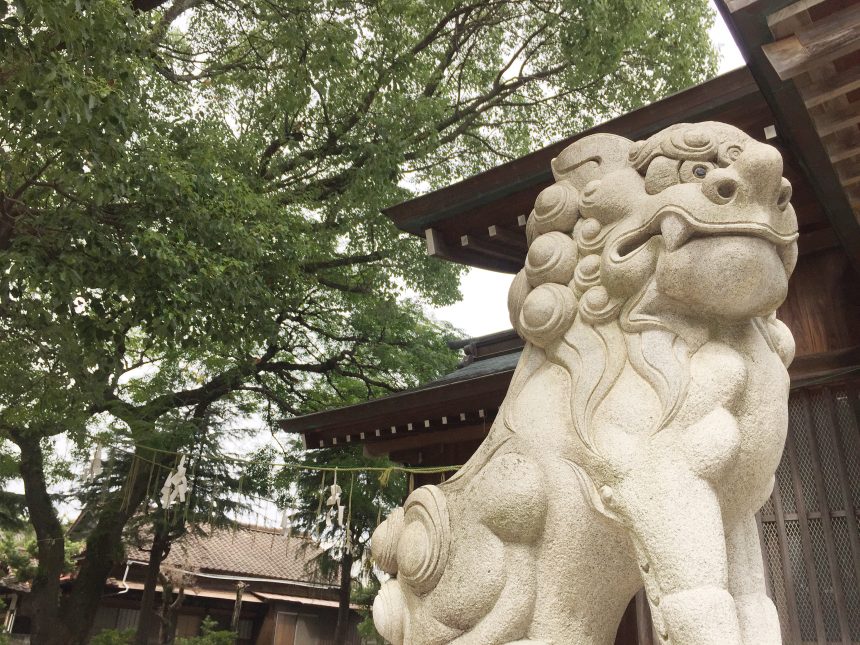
column 331, row 510
column 348, row 532
column 417, row 470
column 385, row 472
column 332, row 513
column 176, row 485
column 286, row 521
column 321, row 495
column 333, row 502
column 95, row 469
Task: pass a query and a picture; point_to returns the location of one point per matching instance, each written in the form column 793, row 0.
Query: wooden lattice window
column 809, row 527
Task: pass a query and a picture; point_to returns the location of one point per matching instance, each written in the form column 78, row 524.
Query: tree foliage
column 19, row 555
column 12, row 506
column 190, row 197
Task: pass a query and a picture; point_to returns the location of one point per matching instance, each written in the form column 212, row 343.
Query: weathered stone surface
column 644, row 422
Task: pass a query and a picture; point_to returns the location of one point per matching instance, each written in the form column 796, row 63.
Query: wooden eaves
column 456, row 404
column 464, row 408
column 805, row 58
column 456, row 220
column 480, row 220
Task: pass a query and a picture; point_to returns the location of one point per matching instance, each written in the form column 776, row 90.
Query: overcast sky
column 483, row 309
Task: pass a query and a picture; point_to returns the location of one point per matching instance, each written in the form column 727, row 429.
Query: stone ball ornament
column 644, row 422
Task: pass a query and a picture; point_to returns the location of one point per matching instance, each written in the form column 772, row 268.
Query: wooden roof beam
column 411, row 442
column 474, row 252
column 849, row 173
column 845, row 147
column 821, row 42
column 835, row 120
column 507, row 237
column 436, row 245
column 783, row 19
column 485, row 247
column 854, row 198
column 831, row 88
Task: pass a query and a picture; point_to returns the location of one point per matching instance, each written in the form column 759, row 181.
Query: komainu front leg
column 756, row 612
column 677, row 530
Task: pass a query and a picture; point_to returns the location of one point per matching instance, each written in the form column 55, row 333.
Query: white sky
column 484, row 308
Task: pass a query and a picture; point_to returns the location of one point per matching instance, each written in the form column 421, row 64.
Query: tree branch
column 343, row 261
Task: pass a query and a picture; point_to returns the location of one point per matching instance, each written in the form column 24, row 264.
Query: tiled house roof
column 250, row 551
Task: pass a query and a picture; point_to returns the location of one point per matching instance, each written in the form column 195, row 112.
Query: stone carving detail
column 644, row 422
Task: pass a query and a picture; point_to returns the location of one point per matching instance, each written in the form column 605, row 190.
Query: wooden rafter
column 513, row 239
column 849, row 173
column 486, row 246
column 821, row 91
column 816, row 43
column 845, row 146
column 414, row 441
column 831, row 121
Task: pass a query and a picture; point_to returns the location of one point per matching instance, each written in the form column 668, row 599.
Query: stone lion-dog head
column 658, row 238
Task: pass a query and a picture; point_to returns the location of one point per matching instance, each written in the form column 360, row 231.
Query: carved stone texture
column 645, row 420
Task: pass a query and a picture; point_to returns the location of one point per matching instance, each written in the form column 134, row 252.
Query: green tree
column 363, row 596
column 213, row 499
column 190, row 195
column 19, row 552
column 209, row 635
column 12, row 506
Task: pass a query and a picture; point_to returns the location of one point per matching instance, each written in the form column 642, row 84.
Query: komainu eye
column 695, row 171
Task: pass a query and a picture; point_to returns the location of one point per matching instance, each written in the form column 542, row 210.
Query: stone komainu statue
column 644, row 422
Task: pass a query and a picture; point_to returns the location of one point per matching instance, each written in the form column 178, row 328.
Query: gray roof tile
column 251, row 551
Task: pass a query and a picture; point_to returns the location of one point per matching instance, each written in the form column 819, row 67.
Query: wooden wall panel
column 285, row 628
column 823, row 304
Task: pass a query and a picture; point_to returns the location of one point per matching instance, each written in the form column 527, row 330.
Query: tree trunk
column 60, row 619
column 341, row 631
column 104, row 551
column 237, row 607
column 171, row 615
column 45, row 594
column 160, row 547
column 169, row 610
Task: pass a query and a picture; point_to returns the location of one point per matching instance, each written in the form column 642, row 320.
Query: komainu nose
column 389, row 608
column 759, row 168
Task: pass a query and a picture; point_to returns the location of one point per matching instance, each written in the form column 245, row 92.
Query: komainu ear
column 591, row 158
